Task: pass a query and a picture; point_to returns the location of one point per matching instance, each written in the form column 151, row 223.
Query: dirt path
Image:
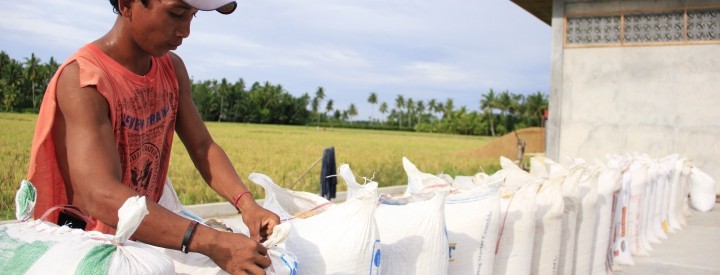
column 507, row 145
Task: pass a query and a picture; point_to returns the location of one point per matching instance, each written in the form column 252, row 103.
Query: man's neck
column 120, row 46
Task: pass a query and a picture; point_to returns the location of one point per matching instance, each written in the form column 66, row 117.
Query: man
column 105, row 132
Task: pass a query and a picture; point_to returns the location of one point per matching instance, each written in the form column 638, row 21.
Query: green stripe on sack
column 18, row 256
column 26, row 255
column 96, row 261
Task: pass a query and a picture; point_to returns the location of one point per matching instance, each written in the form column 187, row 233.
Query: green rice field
column 284, row 153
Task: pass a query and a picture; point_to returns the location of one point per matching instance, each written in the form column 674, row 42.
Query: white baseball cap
column 221, row 6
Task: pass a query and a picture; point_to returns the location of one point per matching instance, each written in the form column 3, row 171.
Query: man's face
column 161, row 26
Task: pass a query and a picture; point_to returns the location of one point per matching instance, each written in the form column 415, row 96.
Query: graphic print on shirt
column 146, row 117
column 142, row 167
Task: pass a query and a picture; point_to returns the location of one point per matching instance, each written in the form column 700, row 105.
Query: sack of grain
column 702, row 190
column 472, row 238
column 609, row 183
column 38, row 247
column 412, row 234
column 339, row 239
column 548, row 225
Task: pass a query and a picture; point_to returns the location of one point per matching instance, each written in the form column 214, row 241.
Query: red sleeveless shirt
column 143, row 110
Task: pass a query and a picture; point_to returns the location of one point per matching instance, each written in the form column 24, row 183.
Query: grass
column 283, row 153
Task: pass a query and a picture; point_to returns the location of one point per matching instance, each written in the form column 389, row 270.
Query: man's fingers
column 262, row 261
column 262, row 250
column 254, row 228
column 270, row 226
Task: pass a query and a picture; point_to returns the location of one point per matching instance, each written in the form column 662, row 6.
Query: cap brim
column 221, row 6
column 228, row 8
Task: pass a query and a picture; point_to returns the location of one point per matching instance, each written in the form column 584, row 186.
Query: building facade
column 634, row 76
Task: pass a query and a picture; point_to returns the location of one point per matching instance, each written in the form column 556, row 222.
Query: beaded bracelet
column 237, row 199
column 189, row 233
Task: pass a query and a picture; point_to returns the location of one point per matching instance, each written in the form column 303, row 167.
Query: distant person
column 520, row 150
column 105, row 131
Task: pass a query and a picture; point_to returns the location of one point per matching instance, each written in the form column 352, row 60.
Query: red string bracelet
column 237, row 199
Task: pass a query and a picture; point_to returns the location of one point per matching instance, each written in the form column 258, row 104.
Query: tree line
column 23, row 84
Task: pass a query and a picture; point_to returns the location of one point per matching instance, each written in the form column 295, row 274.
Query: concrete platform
column 695, row 249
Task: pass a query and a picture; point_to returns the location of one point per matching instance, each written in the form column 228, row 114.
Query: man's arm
column 88, row 158
column 213, row 163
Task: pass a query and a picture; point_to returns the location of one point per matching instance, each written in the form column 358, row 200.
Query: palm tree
column 320, row 93
column 351, row 112
column 420, row 108
column 32, row 73
column 432, row 108
column 410, row 106
column 383, row 108
column 487, row 104
column 223, row 90
column 329, row 106
column 449, row 107
column 315, row 105
column 535, row 106
column 319, row 96
column 400, row 104
column 372, row 100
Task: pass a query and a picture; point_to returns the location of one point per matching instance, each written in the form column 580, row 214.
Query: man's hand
column 260, row 221
column 238, row 254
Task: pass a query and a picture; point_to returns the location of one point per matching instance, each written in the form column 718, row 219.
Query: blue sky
column 421, row 49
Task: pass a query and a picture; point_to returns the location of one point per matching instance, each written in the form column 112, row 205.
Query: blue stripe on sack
column 292, row 267
column 376, row 258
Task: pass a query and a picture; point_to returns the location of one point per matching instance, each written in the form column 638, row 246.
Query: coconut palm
column 488, row 104
column 372, row 100
column 319, row 96
column 400, row 104
column 329, row 107
column 383, row 108
column 32, row 72
column 352, row 112
column 410, row 106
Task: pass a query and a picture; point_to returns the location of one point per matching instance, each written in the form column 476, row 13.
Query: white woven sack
column 289, row 204
column 586, row 220
column 471, row 238
column 635, row 235
column 651, row 219
column 342, row 239
column 620, row 246
column 675, row 207
column 412, row 231
column 669, row 171
column 169, row 199
column 660, row 224
column 548, row 226
column 468, row 182
column 609, row 182
column 517, row 231
column 571, row 206
column 685, row 182
column 354, row 188
column 39, row 247
column 473, row 223
column 283, row 262
column 702, row 190
column 538, row 167
column 419, row 182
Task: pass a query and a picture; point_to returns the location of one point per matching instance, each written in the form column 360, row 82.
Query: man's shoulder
column 176, row 60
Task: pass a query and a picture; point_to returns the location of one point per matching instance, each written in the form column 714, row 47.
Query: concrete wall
column 654, row 99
